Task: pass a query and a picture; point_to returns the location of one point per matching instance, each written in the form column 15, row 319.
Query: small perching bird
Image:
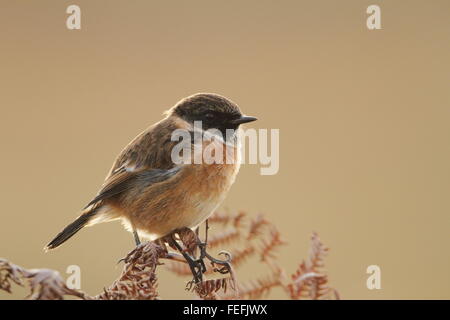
column 153, row 194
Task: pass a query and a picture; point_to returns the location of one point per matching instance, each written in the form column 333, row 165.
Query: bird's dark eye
column 209, row 116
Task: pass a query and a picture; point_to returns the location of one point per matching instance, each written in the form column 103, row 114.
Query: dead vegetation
column 246, row 239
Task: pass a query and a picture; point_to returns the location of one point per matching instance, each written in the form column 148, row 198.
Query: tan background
column 363, row 118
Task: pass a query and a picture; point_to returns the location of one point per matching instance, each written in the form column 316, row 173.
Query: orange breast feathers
column 220, row 164
column 188, row 198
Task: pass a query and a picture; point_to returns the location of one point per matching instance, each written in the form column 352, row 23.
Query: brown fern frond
column 318, row 251
column 10, row 273
column 220, row 218
column 237, row 220
column 309, row 280
column 270, row 245
column 315, row 260
column 207, row 289
column 224, row 238
column 256, row 289
column 44, row 284
column 256, row 227
column 47, row 284
column 306, row 286
column 227, row 219
column 138, row 278
column 240, row 256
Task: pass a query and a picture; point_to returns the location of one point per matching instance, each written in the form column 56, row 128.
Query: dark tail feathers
column 70, row 230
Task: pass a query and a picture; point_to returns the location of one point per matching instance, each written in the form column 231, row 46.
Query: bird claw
column 197, row 266
column 226, row 264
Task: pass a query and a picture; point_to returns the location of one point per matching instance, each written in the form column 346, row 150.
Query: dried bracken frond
column 237, row 220
column 239, row 256
column 227, row 218
column 47, row 284
column 317, row 253
column 246, row 241
column 270, row 245
column 10, row 273
column 208, row 289
column 260, row 238
column 256, row 227
column 220, row 218
column 224, row 238
column 44, row 284
column 309, row 280
column 257, row 288
column 138, row 278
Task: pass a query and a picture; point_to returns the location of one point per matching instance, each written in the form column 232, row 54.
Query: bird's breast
column 186, row 200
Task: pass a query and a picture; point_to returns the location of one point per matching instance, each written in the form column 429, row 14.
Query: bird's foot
column 137, row 248
column 224, row 265
column 191, row 246
column 197, row 266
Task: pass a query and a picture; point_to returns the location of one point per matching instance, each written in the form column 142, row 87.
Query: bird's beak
column 243, row 119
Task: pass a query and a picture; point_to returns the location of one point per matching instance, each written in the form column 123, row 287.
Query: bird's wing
column 146, row 159
column 122, row 180
column 151, row 149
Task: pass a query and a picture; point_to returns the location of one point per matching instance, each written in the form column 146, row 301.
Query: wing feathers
column 123, row 180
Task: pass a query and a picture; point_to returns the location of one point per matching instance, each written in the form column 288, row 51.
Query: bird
column 152, row 194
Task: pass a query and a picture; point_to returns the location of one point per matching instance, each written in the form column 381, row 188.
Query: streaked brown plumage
column 152, row 194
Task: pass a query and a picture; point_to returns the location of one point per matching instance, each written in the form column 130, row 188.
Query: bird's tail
column 71, row 229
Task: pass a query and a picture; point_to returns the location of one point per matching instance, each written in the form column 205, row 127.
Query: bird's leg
column 137, row 241
column 136, row 237
column 225, row 264
column 199, row 244
column 169, row 255
column 195, row 266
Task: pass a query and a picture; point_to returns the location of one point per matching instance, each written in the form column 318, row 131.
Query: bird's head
column 213, row 110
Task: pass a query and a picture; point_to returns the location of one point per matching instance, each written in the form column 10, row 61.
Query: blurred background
column 363, row 118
